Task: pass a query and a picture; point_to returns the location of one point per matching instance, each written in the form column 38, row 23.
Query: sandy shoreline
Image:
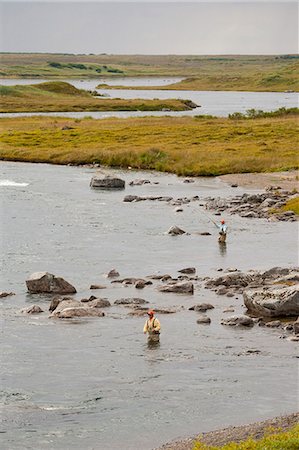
column 285, row 180
column 221, row 437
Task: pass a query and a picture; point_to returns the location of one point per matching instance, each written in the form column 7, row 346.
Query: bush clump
column 257, row 113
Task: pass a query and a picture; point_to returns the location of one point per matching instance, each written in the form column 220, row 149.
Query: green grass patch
column 292, row 205
column 287, row 440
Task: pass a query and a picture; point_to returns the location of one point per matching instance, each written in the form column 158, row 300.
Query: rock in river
column 175, row 231
column 188, row 270
column 44, row 282
column 34, row 309
column 68, row 308
column 203, row 319
column 180, row 288
column 240, row 320
column 107, row 182
column 273, row 301
column 6, row 294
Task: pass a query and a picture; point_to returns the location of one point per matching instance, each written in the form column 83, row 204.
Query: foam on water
column 12, row 183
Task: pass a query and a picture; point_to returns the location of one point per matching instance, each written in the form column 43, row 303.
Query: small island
column 59, row 96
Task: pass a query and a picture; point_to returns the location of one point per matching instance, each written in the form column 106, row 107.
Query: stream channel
column 95, row 383
column 216, row 103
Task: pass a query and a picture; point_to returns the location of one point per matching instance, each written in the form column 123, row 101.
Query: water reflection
column 222, row 248
column 152, row 345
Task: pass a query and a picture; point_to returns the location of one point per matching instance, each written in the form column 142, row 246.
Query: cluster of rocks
column 270, row 294
column 139, row 283
column 235, row 282
column 68, row 308
column 141, row 182
column 137, row 198
column 264, row 205
column 168, row 199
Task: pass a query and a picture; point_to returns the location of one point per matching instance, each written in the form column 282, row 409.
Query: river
column 217, row 103
column 95, row 384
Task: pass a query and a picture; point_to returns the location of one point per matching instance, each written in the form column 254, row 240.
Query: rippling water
column 95, row 384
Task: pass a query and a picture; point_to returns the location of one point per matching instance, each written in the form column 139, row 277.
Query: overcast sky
column 143, row 27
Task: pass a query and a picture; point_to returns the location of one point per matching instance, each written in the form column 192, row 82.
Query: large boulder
column 70, row 313
column 44, row 282
column 273, row 301
column 107, row 182
column 68, row 308
column 59, row 304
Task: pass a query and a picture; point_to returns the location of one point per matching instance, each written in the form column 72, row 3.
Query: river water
column 95, row 384
column 217, row 103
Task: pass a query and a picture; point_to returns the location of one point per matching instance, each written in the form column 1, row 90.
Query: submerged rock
column 112, row 273
column 201, row 307
column 188, row 270
column 139, row 182
column 34, row 309
column 131, row 301
column 97, row 286
column 6, row 294
column 203, row 319
column 44, row 282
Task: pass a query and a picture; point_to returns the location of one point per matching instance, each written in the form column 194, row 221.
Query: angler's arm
column 157, row 325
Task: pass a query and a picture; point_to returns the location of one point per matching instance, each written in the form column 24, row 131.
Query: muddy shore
column 286, row 180
column 236, row 434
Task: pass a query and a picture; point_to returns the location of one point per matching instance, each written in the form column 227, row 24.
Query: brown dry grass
column 185, row 146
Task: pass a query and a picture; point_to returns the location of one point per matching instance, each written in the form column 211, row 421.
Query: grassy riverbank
column 280, row 433
column 57, row 96
column 185, row 146
column 225, row 72
column 273, row 439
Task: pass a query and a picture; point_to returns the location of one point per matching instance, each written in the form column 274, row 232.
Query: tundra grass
column 292, row 205
column 287, row 440
column 63, row 97
column 185, row 146
column 225, row 72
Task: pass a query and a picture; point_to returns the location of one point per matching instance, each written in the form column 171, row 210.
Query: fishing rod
column 210, row 218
